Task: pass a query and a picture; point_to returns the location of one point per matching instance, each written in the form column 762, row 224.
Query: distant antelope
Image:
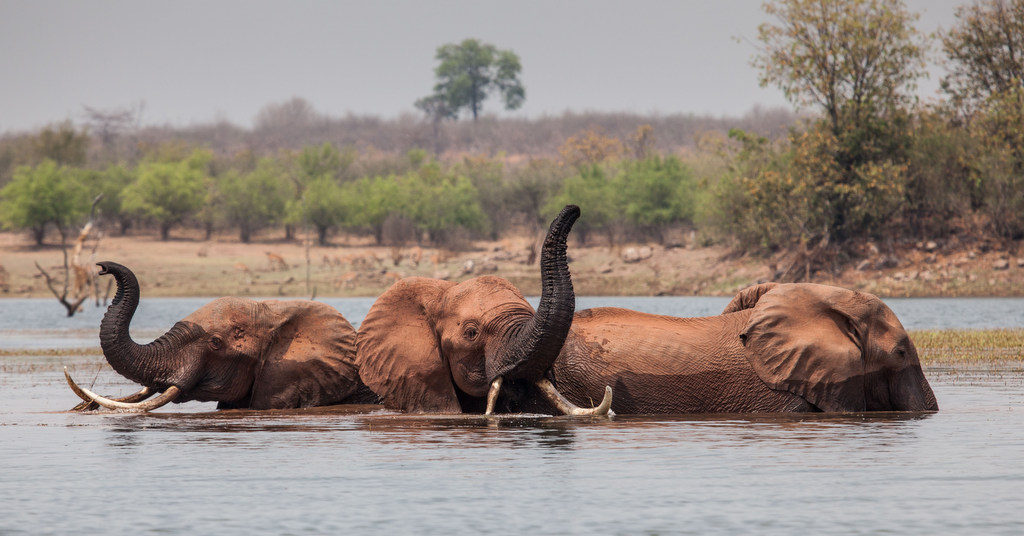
column 276, row 261
column 241, row 267
column 347, row 280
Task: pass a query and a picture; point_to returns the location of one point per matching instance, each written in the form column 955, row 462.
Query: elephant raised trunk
column 529, row 351
column 150, row 364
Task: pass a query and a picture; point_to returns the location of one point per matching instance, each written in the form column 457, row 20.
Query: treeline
column 383, row 178
column 870, row 162
column 627, row 187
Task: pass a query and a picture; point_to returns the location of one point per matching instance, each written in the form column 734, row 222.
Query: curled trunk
column 158, row 364
column 530, row 349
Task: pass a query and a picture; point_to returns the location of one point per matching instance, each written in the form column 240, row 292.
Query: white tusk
column 568, row 408
column 492, row 395
column 141, row 395
column 166, row 397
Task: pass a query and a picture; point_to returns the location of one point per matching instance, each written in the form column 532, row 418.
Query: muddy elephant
column 436, row 346
column 238, row 352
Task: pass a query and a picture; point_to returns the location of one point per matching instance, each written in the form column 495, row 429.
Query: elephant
column 241, row 353
column 429, row 345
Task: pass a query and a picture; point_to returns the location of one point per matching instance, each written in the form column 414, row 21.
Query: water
column 361, row 470
column 39, row 323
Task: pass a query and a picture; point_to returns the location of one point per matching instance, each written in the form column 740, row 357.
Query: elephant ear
column 803, row 338
column 398, row 352
column 310, row 359
column 747, row 298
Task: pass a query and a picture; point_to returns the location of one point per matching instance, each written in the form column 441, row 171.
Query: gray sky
column 192, row 61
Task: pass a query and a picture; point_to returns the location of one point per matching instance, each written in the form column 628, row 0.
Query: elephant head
column 241, row 353
column 839, row 349
column 430, row 345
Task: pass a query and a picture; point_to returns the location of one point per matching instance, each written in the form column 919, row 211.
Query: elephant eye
column 470, row 332
column 216, row 343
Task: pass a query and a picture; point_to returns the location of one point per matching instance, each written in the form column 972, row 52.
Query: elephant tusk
column 568, row 408
column 88, row 404
column 166, row 397
column 492, row 395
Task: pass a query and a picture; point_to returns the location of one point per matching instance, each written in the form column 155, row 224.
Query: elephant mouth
column 549, row 393
column 529, row 351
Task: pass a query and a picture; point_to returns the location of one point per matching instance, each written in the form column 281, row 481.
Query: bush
column 168, row 192
column 42, row 195
column 253, row 200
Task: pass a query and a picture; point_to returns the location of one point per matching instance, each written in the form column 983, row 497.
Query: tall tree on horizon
column 467, row 73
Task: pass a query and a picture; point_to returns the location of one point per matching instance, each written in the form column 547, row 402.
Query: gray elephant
column 238, row 352
column 436, row 346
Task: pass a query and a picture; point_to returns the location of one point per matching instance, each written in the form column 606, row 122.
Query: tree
column 467, row 73
column 322, row 205
column 286, row 118
column 168, row 192
column 441, row 203
column 62, row 144
column 436, row 109
column 591, row 188
column 858, row 60
column 370, row 201
column 590, row 147
column 41, row 195
column 110, row 183
column 984, row 52
column 255, row 199
column 530, row 186
column 656, row 192
column 488, row 177
column 111, row 123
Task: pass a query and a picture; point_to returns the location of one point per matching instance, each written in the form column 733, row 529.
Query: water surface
column 40, row 323
column 189, row 469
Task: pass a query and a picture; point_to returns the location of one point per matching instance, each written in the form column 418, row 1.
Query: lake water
column 40, row 323
column 189, row 469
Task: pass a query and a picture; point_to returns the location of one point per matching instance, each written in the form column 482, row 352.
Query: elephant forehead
column 224, row 311
column 482, row 294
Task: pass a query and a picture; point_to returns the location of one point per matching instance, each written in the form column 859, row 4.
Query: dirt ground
column 192, row 266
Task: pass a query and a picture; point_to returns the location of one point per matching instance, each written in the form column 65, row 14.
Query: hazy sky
column 194, row 61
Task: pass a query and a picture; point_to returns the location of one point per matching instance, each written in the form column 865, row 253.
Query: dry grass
column 938, row 347
column 49, row 352
column 189, row 265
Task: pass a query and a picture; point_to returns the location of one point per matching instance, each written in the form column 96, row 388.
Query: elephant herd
column 435, row 346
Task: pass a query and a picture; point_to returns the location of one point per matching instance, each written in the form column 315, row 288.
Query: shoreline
column 190, row 266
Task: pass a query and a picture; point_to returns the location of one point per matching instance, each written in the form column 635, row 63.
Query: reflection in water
column 251, row 429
